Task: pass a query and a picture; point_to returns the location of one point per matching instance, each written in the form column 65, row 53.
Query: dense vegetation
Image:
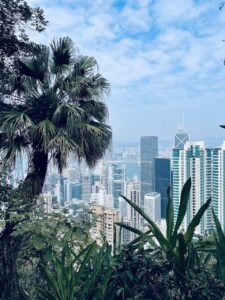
column 16, row 17
column 51, row 105
column 150, row 267
column 56, row 109
column 56, row 258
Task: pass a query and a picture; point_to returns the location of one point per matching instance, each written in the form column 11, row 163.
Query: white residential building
column 152, row 206
column 206, row 167
column 134, row 194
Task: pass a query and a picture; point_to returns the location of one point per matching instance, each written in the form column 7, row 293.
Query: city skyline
column 145, row 184
column 112, row 149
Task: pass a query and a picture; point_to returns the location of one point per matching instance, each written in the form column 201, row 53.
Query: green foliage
column 220, row 249
column 33, row 235
column 82, row 276
column 56, row 109
column 40, row 236
column 15, row 17
column 54, row 261
column 44, row 231
column 148, row 274
column 176, row 244
column 182, row 210
column 169, row 216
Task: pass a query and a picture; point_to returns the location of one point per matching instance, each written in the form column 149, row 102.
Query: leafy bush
column 176, row 245
column 82, row 276
column 147, row 274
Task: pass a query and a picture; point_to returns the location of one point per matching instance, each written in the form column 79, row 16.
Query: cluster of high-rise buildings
column 137, row 173
column 143, row 175
column 206, row 167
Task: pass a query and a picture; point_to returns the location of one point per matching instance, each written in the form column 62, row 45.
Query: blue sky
column 162, row 57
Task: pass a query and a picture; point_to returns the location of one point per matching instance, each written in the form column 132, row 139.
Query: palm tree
column 56, row 108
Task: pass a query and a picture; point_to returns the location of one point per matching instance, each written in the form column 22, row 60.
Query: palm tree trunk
column 34, row 182
column 9, row 245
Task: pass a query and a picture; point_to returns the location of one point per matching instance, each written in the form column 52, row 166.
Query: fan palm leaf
column 57, row 108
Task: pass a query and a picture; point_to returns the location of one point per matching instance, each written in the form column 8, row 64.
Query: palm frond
column 62, row 54
column 84, row 83
column 46, row 131
column 84, row 66
column 96, row 109
column 57, row 107
column 95, row 144
column 11, row 146
column 66, row 114
column 13, row 120
column 36, row 66
column 61, row 146
column 99, row 85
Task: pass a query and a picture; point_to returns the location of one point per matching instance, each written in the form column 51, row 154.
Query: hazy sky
column 162, row 57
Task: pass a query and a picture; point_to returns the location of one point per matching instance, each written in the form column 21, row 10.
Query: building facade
column 117, row 182
column 180, row 138
column 206, row 167
column 86, row 181
column 162, row 181
column 134, row 194
column 149, row 150
column 189, row 162
column 99, row 196
column 152, row 206
column 104, row 222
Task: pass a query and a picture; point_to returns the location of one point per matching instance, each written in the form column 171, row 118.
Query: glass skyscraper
column 162, row 181
column 86, row 181
column 180, row 138
column 149, row 150
column 116, row 181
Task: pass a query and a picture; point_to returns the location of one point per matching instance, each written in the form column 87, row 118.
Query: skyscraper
column 152, row 206
column 206, row 167
column 218, row 186
column 149, row 150
column 62, row 190
column 117, row 182
column 99, row 196
column 180, row 138
column 74, row 190
column 190, row 162
column 110, row 217
column 162, row 181
column 86, row 181
column 104, row 223
column 133, row 193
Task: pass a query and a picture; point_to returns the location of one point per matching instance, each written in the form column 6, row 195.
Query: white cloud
column 160, row 56
column 136, row 16
column 170, row 11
